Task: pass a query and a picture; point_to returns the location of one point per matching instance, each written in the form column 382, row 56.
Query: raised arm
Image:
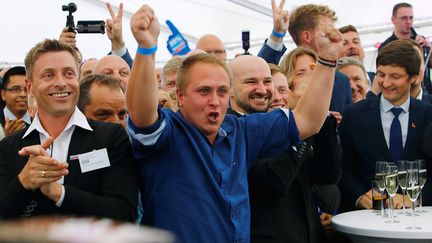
column 142, row 94
column 312, row 107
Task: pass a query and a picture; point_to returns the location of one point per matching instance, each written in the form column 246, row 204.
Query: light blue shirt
column 387, row 118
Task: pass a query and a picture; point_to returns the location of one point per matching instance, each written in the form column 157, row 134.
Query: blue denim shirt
column 198, row 190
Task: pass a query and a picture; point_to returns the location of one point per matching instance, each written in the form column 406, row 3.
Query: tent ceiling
column 26, row 22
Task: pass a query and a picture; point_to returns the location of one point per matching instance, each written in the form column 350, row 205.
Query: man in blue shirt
column 194, row 163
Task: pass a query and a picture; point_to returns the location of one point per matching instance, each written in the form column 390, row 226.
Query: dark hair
column 400, row 53
column 17, row 70
column 398, row 6
column 348, row 28
column 98, row 79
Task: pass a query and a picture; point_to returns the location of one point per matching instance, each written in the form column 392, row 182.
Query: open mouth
column 60, row 94
column 213, row 116
column 259, row 99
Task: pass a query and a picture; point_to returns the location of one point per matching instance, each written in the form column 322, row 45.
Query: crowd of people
column 262, row 148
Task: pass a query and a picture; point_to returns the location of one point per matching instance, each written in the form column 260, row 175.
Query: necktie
column 396, row 146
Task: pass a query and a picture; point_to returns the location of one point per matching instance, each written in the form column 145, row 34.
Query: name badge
column 94, row 160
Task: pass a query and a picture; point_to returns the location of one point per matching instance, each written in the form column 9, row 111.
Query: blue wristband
column 147, row 51
column 277, row 34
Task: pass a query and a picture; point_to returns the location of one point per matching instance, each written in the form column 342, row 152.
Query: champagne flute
column 380, row 170
column 391, row 186
column 422, row 180
column 413, row 189
column 402, row 182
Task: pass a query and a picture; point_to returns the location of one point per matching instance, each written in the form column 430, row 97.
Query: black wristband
column 328, row 63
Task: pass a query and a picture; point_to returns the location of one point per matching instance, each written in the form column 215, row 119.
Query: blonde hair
column 48, row 45
column 306, row 17
column 190, row 61
column 173, row 66
column 287, row 64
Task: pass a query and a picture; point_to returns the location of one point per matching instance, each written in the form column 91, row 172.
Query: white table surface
column 366, row 224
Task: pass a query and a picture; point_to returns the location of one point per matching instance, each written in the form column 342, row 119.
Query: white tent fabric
column 26, row 22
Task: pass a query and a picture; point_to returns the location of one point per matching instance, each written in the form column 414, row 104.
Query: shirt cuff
column 274, row 45
column 119, row 52
column 60, row 201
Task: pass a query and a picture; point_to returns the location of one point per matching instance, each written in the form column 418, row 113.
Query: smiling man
column 64, row 164
column 193, row 163
column 252, row 87
column 388, row 127
column 14, row 116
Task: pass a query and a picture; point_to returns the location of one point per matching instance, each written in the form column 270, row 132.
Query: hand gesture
column 422, row 41
column 330, row 43
column 365, row 200
column 114, row 27
column 280, row 17
column 13, row 126
column 145, row 27
column 68, row 37
column 40, row 169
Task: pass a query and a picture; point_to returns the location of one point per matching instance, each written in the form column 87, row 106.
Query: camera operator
column 114, row 32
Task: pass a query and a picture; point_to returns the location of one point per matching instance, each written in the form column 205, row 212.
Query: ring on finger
column 43, row 173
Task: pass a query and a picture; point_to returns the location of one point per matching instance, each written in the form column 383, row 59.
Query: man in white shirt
column 79, row 169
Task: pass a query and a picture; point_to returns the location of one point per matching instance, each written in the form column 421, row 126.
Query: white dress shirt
column 60, row 146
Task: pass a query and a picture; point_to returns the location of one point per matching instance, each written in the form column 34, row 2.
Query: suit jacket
column 283, row 208
column 341, row 94
column 363, row 144
column 108, row 192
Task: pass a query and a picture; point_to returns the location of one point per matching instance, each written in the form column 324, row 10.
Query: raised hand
column 13, row 126
column 40, row 168
column 145, row 27
column 114, row 27
column 330, row 43
column 68, row 37
column 280, row 17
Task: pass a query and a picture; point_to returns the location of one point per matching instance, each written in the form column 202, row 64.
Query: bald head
column 114, row 66
column 212, row 45
column 252, row 87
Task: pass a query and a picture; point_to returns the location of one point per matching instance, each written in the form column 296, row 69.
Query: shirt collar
column 386, row 106
column 8, row 113
column 420, row 95
column 77, row 119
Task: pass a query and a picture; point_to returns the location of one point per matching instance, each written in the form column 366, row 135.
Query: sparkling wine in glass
column 422, row 179
column 413, row 190
column 391, row 185
column 380, row 170
column 402, row 181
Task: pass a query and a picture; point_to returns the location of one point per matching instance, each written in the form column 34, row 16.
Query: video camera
column 245, row 42
column 83, row 26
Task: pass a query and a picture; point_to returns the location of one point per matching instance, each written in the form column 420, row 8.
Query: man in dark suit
column 387, row 127
column 64, row 164
column 305, row 36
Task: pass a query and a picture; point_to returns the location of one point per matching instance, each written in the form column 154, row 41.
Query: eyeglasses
column 215, row 52
column 17, row 89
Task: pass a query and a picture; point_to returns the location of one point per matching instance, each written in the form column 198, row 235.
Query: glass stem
column 391, row 209
column 421, row 201
column 382, row 203
column 413, row 224
column 403, row 201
